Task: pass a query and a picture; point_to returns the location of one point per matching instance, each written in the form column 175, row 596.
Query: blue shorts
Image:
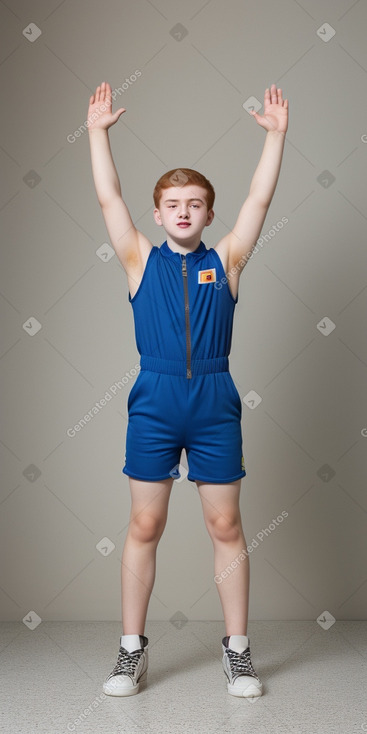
column 168, row 412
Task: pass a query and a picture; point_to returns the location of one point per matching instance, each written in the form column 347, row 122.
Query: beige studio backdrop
column 299, row 352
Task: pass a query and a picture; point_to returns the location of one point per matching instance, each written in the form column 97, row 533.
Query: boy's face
column 183, row 212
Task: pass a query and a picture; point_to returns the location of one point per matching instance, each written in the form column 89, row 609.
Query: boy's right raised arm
column 127, row 241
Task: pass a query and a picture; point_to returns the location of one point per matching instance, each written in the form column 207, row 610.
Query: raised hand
column 100, row 109
column 275, row 117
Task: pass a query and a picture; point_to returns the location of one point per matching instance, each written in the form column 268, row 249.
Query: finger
column 273, row 94
column 105, row 97
column 91, row 99
column 118, row 113
column 98, row 90
column 280, row 97
column 109, row 93
column 257, row 117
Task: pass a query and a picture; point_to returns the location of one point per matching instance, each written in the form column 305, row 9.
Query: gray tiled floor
column 315, row 680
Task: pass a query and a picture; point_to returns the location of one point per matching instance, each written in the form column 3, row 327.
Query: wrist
column 98, row 130
column 276, row 133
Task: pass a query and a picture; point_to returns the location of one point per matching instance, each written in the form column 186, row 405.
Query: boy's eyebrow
column 196, row 198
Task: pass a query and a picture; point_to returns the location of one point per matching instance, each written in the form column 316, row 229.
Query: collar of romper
column 195, row 255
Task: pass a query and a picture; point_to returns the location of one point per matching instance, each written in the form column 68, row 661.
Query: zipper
column 187, row 318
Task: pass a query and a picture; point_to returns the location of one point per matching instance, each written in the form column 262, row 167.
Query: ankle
column 124, row 634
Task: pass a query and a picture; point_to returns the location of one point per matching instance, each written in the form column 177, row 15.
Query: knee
column 225, row 528
column 145, row 527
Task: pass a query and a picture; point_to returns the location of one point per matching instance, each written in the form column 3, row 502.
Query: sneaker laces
column 126, row 662
column 240, row 663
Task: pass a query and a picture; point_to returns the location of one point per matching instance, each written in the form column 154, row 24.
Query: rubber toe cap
column 246, row 685
column 119, row 685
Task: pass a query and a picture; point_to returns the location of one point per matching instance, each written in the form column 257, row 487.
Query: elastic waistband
column 178, row 367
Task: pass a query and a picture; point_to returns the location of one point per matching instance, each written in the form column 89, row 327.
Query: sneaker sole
column 128, row 691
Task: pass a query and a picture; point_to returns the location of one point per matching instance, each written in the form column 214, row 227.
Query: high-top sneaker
column 241, row 677
column 131, row 667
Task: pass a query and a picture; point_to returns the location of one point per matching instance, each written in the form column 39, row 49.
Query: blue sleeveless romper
column 184, row 396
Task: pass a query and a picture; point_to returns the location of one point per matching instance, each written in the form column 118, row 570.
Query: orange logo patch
column 207, row 276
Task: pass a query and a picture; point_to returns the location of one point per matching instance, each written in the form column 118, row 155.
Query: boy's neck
column 190, row 245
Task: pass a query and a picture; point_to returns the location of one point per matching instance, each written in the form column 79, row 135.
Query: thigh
column 150, row 498
column 220, row 501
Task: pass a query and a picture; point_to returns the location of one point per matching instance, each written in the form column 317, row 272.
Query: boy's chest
column 203, row 278
column 200, row 275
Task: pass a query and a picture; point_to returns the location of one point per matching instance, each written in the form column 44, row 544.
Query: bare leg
column 223, row 520
column 148, row 517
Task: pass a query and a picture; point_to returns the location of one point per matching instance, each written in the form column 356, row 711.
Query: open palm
column 275, row 117
column 100, row 108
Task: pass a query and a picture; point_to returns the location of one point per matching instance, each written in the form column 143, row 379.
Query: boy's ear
column 211, row 216
column 157, row 217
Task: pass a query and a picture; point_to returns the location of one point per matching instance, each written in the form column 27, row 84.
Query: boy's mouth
column 184, row 224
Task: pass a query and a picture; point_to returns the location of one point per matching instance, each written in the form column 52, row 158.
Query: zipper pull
column 183, row 260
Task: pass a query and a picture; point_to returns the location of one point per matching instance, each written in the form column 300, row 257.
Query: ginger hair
column 194, row 177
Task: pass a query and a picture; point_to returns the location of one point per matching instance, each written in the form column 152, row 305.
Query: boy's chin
column 183, row 232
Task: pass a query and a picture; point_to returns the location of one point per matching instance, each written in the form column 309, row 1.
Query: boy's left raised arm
column 241, row 240
column 275, row 122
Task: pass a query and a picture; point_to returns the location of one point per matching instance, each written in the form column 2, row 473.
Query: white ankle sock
column 130, row 642
column 238, row 643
